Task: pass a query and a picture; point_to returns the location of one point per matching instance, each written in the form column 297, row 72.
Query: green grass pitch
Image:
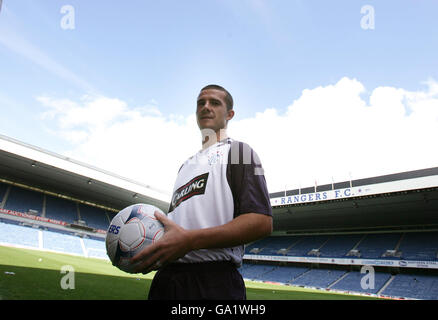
column 36, row 275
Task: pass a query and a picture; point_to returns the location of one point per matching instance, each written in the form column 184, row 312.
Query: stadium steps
column 286, row 250
column 43, row 211
column 301, row 275
column 340, row 279
column 399, row 242
column 295, row 243
column 359, row 242
column 5, row 197
column 386, row 285
column 108, row 219
column 322, row 245
column 356, row 245
column 3, row 188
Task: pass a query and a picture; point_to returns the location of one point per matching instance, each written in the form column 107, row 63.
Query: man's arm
column 176, row 241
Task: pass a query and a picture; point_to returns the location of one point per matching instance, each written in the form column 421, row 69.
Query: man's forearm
column 243, row 229
column 176, row 241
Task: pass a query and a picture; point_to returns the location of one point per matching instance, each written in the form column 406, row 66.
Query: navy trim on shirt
column 247, row 181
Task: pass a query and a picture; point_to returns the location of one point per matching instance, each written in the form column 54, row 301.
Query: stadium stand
column 257, row 272
column 95, row 249
column 23, row 200
column 305, row 244
column 53, row 207
column 373, row 246
column 352, row 282
column 388, row 282
column 51, row 240
column 59, row 242
column 413, row 285
column 315, row 244
column 410, row 245
column 318, row 278
column 286, row 274
column 18, row 235
column 61, row 209
column 324, row 244
column 3, row 188
column 419, row 246
column 272, row 245
column 339, row 245
column 94, row 217
column 30, row 234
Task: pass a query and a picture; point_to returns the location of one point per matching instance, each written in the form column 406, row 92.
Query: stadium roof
column 50, row 172
column 400, row 201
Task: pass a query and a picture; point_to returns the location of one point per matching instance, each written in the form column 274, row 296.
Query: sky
column 324, row 90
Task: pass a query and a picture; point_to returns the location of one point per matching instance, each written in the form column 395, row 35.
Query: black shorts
column 198, row 281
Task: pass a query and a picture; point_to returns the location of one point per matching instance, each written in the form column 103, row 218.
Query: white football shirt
column 214, row 186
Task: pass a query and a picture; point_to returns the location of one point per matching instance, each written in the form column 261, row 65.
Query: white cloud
column 329, row 131
column 90, row 112
column 138, row 143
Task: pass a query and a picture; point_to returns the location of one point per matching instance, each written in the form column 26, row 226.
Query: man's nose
column 206, row 107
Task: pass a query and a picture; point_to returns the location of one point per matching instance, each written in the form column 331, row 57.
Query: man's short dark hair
column 228, row 97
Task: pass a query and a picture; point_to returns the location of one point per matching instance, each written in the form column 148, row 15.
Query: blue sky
column 156, row 55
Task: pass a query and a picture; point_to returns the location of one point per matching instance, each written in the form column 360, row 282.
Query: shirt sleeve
column 247, row 181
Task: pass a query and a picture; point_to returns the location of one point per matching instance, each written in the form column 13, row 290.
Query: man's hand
column 177, row 241
column 174, row 244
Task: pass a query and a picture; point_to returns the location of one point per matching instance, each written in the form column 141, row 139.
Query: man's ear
column 230, row 114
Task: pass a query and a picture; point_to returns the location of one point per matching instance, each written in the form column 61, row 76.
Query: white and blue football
column 130, row 231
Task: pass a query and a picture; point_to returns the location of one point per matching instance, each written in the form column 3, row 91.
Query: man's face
column 211, row 110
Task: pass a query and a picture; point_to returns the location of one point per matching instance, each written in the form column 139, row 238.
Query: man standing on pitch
column 220, row 202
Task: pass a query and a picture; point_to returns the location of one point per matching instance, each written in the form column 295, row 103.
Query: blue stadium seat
column 22, row 200
column 339, row 245
column 61, row 209
column 307, row 243
column 95, row 248
column 421, row 246
column 256, row 271
column 94, row 217
column 62, row 243
column 352, row 282
column 66, row 242
column 375, row 245
column 318, row 278
column 3, row 188
column 18, row 235
column 285, row 274
column 260, row 244
column 111, row 215
column 415, row 286
column 271, row 245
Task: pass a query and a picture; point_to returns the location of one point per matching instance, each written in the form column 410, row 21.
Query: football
column 130, row 231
